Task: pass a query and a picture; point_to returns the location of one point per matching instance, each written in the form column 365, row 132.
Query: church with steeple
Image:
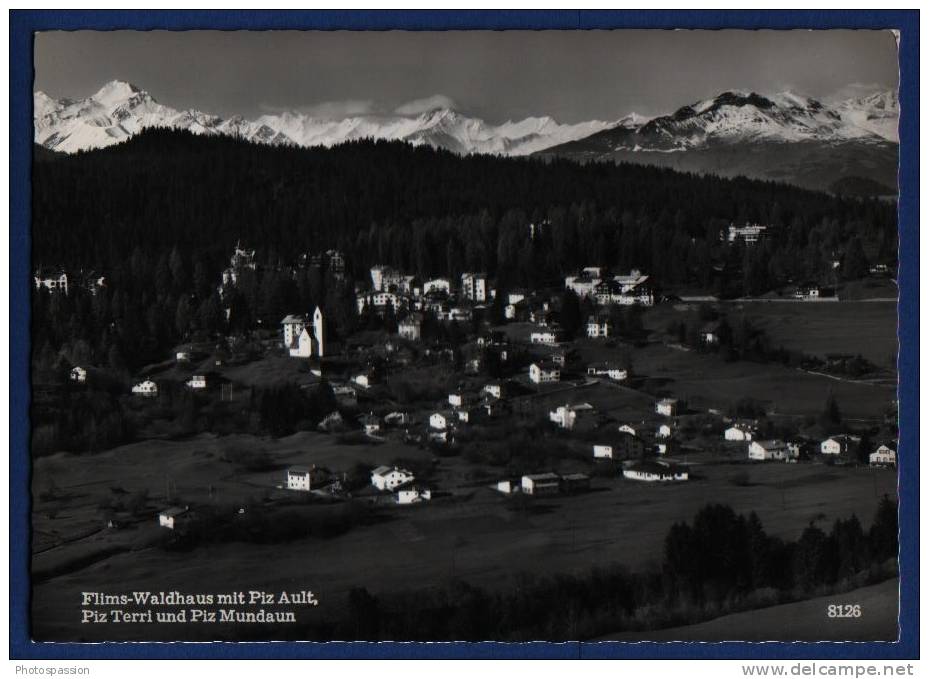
column 305, row 337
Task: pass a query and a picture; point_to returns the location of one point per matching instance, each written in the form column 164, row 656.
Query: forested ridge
column 428, row 212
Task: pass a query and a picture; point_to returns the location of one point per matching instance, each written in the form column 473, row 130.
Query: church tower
column 319, row 332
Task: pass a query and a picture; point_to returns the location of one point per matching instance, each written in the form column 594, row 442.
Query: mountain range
column 119, row 110
column 785, row 136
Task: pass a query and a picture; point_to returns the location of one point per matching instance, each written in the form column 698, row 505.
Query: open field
column 475, row 535
column 866, row 328
column 800, row 621
column 707, row 381
column 815, row 328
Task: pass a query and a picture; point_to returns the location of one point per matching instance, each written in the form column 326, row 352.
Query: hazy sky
column 570, row 75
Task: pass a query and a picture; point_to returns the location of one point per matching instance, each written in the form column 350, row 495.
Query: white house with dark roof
column 78, row 374
column 169, row 518
column 739, row 432
column 196, row 382
column 599, row 326
column 541, row 484
column 388, row 478
column 668, row 407
column 145, row 388
column 884, row 456
column 412, row 495
column 773, row 449
column 840, row 444
column 299, row 478
column 544, row 372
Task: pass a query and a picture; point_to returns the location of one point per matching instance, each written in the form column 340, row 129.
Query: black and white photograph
column 574, row 335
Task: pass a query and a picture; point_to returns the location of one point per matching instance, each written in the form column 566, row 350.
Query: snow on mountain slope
column 119, row 110
column 782, row 137
column 739, row 116
column 877, row 113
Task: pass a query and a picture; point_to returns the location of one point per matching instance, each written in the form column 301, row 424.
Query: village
column 581, row 387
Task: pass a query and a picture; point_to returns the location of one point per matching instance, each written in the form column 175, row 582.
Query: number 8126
column 843, row 610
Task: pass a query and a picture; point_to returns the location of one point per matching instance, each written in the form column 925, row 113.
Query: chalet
column 649, row 470
column 51, row 280
column 748, row 234
column 559, row 357
column 196, row 382
column 627, row 428
column 474, row 287
column 170, row 518
column 182, row 356
column 413, row 495
column 541, row 484
column 884, row 456
column 619, row 447
column 607, row 369
column 808, row 291
column 78, row 374
column 380, row 301
column 546, row 335
column 304, row 478
column 146, row 388
column 599, row 326
column 437, row 285
column 441, row 419
column 544, row 372
column 583, row 284
column 669, row 407
column 411, row 327
column 664, row 431
column 388, row 478
column 371, row 424
column 460, row 399
column 492, row 338
column 567, row 416
column 768, row 450
column 494, row 389
column 841, row 444
column 739, row 432
column 635, row 290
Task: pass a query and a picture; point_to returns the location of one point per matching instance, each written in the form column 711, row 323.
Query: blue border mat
column 22, row 26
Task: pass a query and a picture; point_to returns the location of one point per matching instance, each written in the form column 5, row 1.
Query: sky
column 496, row 75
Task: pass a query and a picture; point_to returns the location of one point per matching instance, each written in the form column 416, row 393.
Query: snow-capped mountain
column 746, row 116
column 119, row 110
column 878, row 113
column 785, row 136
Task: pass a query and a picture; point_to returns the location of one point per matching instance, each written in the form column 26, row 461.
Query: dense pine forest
column 428, row 212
